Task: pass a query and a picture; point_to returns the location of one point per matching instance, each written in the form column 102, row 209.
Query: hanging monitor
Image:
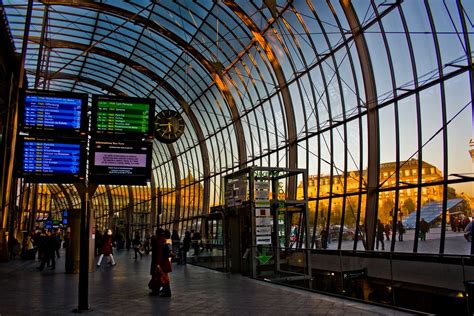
column 121, row 163
column 53, row 112
column 122, row 117
column 45, row 160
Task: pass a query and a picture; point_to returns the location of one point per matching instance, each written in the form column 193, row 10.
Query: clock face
column 169, row 126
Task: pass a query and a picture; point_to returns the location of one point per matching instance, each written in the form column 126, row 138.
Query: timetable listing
column 46, row 157
column 52, row 112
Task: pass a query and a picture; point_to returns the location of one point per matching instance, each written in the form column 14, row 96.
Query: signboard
column 264, row 240
column 263, row 230
column 122, row 163
column 52, row 111
column 354, row 274
column 262, row 204
column 263, row 221
column 65, row 216
column 122, row 117
column 47, row 160
column 236, row 192
column 262, row 190
column 263, row 212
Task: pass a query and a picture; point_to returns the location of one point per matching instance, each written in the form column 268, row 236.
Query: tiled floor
column 122, row 290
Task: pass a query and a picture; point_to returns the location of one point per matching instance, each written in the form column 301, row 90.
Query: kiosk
column 266, row 231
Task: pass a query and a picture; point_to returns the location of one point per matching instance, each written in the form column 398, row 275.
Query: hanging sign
column 264, row 240
column 263, row 221
column 263, row 230
column 262, row 212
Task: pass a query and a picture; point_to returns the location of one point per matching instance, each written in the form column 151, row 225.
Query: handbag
column 156, row 279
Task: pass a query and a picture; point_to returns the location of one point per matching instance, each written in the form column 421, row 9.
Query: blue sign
column 52, row 112
column 45, row 160
column 49, row 157
column 65, row 217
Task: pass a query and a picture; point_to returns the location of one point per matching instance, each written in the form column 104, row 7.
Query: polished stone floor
column 122, row 290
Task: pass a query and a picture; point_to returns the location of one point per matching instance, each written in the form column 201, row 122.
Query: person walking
column 136, row 244
column 380, row 234
column 387, row 231
column 424, row 229
column 107, row 248
column 196, row 240
column 175, row 241
column 49, row 255
column 59, row 242
column 98, row 241
column 147, row 242
column 160, row 265
column 401, row 230
column 185, row 248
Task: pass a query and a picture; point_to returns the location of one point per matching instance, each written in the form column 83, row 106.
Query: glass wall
column 373, row 98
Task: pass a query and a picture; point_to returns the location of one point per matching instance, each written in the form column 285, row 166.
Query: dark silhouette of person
column 13, row 245
column 175, row 241
column 401, row 230
column 49, row 254
column 196, row 240
column 324, row 239
column 387, row 231
column 424, row 228
column 136, row 244
column 380, row 234
column 98, row 242
column 185, row 248
column 160, row 265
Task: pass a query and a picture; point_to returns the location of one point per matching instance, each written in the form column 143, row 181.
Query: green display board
column 123, row 117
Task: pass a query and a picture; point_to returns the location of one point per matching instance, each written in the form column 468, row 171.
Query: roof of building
column 430, row 212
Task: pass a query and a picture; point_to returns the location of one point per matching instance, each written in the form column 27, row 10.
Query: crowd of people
column 43, row 243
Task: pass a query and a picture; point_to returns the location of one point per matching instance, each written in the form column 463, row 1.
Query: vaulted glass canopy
column 373, row 98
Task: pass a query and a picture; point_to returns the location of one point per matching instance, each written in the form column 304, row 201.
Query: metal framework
column 372, row 98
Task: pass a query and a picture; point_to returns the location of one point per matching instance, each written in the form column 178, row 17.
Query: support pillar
column 73, row 234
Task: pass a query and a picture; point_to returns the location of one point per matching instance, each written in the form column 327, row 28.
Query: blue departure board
column 46, row 160
column 51, row 157
column 51, row 111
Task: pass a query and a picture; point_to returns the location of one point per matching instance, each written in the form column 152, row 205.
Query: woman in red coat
column 160, row 265
column 107, row 248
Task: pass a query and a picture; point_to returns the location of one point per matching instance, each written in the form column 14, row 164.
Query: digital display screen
column 122, row 163
column 50, row 111
column 118, row 116
column 47, row 160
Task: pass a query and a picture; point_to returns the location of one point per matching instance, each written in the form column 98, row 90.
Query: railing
column 209, row 254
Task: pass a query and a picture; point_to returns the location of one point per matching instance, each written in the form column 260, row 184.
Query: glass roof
column 331, row 86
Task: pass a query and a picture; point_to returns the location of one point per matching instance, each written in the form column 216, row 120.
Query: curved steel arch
column 283, row 86
column 373, row 168
column 76, row 78
column 163, row 83
column 211, row 67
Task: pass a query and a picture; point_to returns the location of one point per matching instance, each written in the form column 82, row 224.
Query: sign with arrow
column 263, row 258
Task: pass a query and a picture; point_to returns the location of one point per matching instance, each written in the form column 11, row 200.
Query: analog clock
column 169, row 126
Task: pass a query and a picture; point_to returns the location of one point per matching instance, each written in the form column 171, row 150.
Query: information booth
column 265, row 227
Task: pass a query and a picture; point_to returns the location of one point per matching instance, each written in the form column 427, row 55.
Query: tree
column 451, row 193
column 409, row 205
column 386, row 210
